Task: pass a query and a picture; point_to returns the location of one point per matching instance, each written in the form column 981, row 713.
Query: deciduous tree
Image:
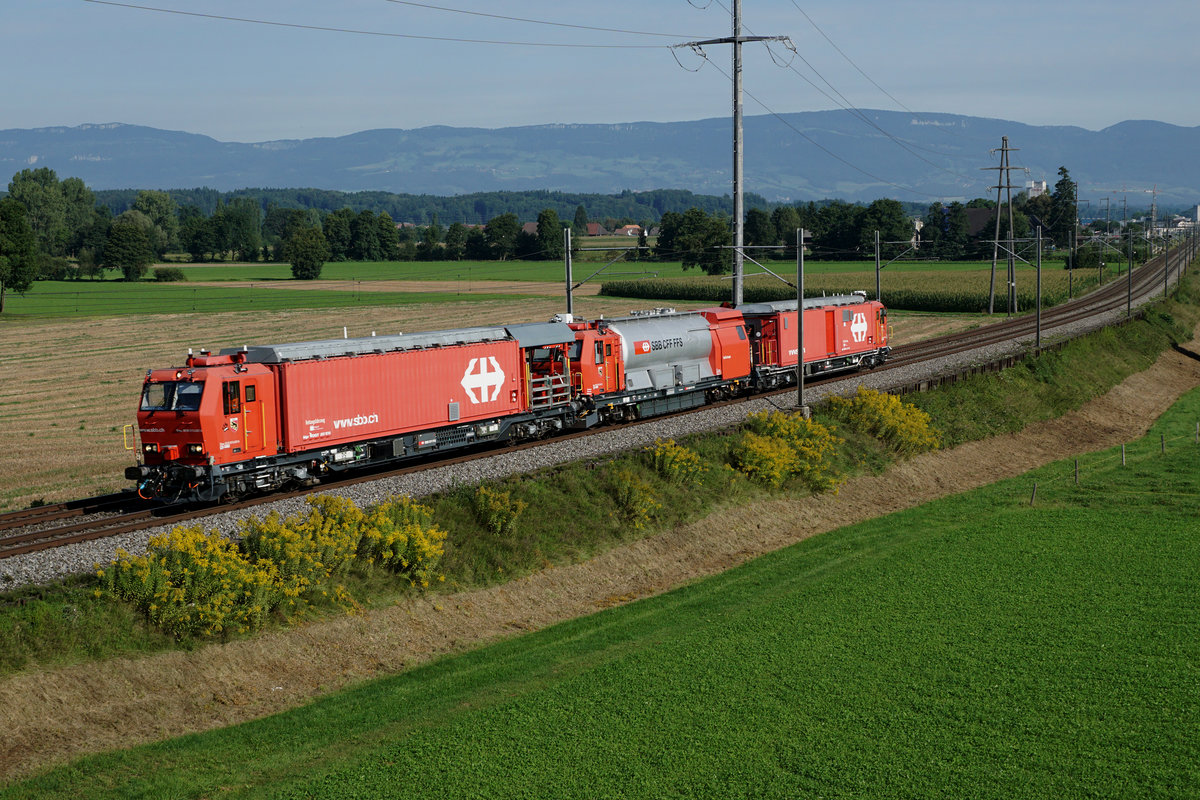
column 456, row 241
column 127, row 247
column 336, row 227
column 307, row 251
column 40, row 192
column 698, row 240
column 501, row 234
column 160, row 209
column 550, row 236
column 18, row 249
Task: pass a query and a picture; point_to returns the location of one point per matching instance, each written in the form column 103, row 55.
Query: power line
column 848, row 59
column 845, row 104
column 330, row 29
column 538, row 21
column 816, row 144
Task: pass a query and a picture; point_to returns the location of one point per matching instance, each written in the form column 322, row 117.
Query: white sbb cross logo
column 478, row 383
column 858, row 327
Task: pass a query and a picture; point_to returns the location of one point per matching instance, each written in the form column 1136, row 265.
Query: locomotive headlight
column 150, row 447
column 195, row 449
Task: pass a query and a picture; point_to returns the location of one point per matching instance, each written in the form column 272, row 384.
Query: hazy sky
column 69, row 62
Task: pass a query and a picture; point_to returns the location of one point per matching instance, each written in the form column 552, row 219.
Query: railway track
column 46, row 527
column 1147, row 281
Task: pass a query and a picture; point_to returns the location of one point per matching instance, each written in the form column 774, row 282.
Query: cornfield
column 963, row 291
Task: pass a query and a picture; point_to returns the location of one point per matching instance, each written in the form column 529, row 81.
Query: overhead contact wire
column 331, row 29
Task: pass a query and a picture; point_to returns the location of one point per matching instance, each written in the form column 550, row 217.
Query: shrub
column 400, row 536
column 765, row 459
column 55, row 268
column 495, row 510
column 634, row 499
column 676, row 463
column 901, row 426
column 306, row 548
column 169, row 274
column 191, row 583
column 778, row 446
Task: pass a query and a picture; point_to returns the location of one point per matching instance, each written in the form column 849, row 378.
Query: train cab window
column 232, row 396
column 741, row 333
column 608, row 348
column 172, row 396
column 187, row 396
column 250, row 393
column 845, row 316
column 599, row 352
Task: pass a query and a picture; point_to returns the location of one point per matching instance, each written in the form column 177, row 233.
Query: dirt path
column 50, row 717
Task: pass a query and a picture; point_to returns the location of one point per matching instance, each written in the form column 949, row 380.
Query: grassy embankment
column 975, row 646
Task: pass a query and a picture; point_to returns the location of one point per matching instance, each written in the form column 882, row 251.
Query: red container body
column 829, row 332
column 336, row 401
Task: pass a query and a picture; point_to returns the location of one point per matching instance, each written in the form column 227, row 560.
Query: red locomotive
column 255, row 419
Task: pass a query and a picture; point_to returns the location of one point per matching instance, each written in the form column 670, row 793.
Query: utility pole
column 567, row 261
column 878, row 292
column 799, row 323
column 738, row 213
column 1004, row 182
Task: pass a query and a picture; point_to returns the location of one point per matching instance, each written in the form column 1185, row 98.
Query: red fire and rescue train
column 255, row 419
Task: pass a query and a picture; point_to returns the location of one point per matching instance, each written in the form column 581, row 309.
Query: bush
column 778, row 446
column 766, row 459
column 306, row 548
column 400, row 535
column 676, row 463
column 169, row 274
column 901, row 426
column 191, row 583
column 55, row 268
column 496, row 510
column 634, row 500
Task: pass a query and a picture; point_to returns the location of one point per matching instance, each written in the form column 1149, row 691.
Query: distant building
column 1036, row 188
column 596, row 229
column 628, row 230
column 530, row 227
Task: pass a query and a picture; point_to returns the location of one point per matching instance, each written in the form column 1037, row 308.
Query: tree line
column 57, row 229
column 613, row 210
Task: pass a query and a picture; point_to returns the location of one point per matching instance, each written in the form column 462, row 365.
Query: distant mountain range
column 792, row 157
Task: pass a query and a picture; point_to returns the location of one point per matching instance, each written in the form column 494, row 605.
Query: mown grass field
column 977, row 646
